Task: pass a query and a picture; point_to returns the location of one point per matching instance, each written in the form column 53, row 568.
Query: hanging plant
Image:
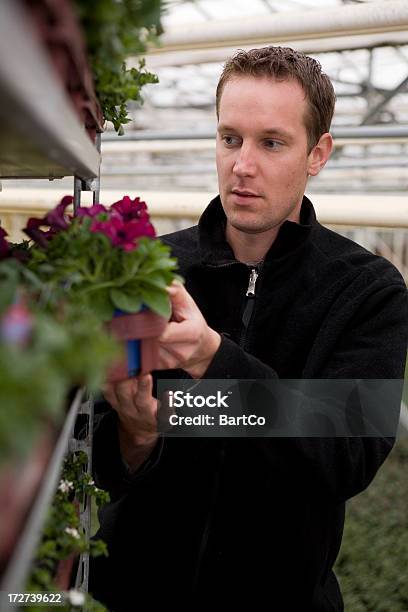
column 115, row 30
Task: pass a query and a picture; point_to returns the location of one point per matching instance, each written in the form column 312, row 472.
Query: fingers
column 144, row 399
column 174, row 287
column 182, row 303
column 126, row 390
column 164, row 412
column 136, row 408
column 188, row 331
column 127, row 394
column 145, row 389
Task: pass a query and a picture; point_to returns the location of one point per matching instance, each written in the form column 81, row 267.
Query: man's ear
column 319, row 155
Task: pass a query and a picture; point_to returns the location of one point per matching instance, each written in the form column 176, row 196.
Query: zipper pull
column 252, row 282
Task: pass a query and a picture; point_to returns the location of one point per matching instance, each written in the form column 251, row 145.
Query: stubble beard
column 253, row 226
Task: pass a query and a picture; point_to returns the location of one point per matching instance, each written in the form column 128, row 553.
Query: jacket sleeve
column 371, row 344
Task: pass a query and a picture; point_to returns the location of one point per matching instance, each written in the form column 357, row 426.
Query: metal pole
column 361, row 131
column 372, row 112
column 85, row 445
column 370, row 18
column 77, row 193
column 97, row 184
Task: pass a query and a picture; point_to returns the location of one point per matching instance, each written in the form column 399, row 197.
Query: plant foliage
column 63, row 535
column 105, row 259
column 373, row 561
column 42, row 356
column 115, row 30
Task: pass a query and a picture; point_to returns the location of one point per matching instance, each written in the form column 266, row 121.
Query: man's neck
column 250, row 248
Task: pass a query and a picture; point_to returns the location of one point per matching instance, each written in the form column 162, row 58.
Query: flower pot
column 63, row 575
column 19, row 484
column 140, row 332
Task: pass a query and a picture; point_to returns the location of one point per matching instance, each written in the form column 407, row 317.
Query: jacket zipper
column 252, row 283
column 249, row 306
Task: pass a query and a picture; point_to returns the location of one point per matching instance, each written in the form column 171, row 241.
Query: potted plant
column 108, row 261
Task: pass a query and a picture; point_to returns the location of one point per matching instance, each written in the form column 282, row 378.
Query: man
column 270, row 294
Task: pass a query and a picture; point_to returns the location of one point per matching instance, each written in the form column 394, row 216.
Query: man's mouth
column 245, row 193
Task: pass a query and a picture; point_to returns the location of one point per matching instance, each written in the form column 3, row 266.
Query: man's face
column 262, row 152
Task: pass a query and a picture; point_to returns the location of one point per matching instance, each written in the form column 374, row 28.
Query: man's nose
column 245, row 162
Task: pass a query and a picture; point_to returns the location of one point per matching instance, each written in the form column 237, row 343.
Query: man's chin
column 247, row 227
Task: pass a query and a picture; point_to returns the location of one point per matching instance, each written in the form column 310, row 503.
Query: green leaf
column 157, row 280
column 160, row 264
column 129, row 302
column 99, row 302
column 157, row 300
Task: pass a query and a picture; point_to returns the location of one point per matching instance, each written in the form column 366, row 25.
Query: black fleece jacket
column 254, row 520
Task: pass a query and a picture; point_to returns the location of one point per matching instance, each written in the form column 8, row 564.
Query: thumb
column 145, row 385
column 181, row 301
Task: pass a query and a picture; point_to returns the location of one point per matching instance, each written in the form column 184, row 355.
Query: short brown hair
column 283, row 63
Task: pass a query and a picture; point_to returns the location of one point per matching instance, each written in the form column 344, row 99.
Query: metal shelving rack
column 46, row 133
column 40, row 135
column 14, row 577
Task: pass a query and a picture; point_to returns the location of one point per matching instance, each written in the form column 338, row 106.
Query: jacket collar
column 215, row 250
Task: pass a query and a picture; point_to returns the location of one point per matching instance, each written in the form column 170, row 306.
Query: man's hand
column 137, row 411
column 187, row 342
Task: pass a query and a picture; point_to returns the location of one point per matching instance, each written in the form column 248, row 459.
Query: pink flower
column 130, row 209
column 125, row 222
column 4, row 245
column 105, row 227
column 121, row 234
column 144, row 228
column 92, row 211
column 128, row 233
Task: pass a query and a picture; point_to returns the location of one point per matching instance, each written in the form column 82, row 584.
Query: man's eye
column 272, row 144
column 230, row 141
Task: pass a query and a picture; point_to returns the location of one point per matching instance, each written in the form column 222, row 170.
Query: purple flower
column 123, row 223
column 128, row 233
column 121, row 234
column 34, row 232
column 91, row 211
column 143, row 228
column 105, row 227
column 56, row 218
column 129, row 209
